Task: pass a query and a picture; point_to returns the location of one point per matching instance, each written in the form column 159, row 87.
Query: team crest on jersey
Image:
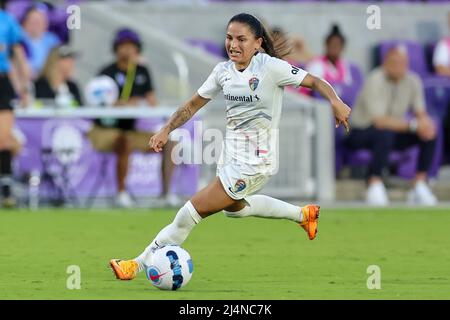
column 239, row 185
column 253, row 83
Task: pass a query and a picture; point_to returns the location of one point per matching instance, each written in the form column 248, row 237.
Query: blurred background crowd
column 400, row 119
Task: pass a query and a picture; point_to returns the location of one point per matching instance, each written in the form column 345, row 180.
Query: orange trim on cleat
column 310, row 220
column 124, row 269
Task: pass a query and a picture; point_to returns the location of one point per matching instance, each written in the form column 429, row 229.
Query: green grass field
column 233, row 258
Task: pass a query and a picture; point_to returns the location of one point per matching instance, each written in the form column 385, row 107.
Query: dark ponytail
column 272, row 47
column 335, row 32
column 267, row 43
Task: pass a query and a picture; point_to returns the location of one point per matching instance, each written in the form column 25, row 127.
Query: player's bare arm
column 341, row 111
column 180, row 117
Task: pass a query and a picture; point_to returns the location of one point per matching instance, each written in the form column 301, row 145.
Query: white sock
column 267, row 207
column 173, row 234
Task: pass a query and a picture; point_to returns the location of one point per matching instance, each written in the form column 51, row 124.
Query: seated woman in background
column 331, row 66
column 38, row 39
column 55, row 81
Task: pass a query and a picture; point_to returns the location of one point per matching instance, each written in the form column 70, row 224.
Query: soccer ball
column 101, row 91
column 169, row 268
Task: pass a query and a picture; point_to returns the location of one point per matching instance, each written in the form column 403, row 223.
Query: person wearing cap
column 120, row 135
column 12, row 56
column 380, row 123
column 38, row 40
column 55, row 81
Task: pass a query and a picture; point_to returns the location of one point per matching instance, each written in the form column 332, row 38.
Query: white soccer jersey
column 253, row 107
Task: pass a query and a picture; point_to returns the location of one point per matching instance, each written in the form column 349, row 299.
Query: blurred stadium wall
column 171, row 24
column 179, row 69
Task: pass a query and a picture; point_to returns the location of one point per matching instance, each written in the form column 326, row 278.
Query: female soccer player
column 252, row 82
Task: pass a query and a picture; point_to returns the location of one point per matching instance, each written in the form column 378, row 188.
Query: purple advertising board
column 72, row 164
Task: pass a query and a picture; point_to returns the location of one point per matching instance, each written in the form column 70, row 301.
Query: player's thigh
column 6, row 125
column 212, row 199
column 104, row 139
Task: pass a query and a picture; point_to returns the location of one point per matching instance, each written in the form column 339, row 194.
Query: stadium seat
column 437, row 95
column 405, row 161
column 348, row 91
column 57, row 23
column 17, row 8
column 429, row 51
column 349, row 94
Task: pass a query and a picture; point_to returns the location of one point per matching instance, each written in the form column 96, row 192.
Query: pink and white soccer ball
column 169, row 268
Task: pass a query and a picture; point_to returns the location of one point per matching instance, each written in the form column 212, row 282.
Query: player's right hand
column 158, row 140
column 341, row 114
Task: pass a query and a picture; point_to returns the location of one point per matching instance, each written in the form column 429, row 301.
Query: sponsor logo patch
column 253, row 83
column 239, row 185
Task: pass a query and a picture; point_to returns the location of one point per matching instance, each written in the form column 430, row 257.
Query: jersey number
column 295, row 70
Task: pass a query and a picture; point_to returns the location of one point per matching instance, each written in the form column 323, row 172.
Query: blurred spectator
column 441, row 55
column 37, row 39
column 120, row 135
column 441, row 63
column 10, row 53
column 298, row 53
column 331, row 66
column 292, row 48
column 380, row 124
column 282, row 41
column 55, row 81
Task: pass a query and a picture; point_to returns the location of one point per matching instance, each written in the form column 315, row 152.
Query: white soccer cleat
column 421, row 194
column 377, row 195
column 123, row 200
column 172, row 200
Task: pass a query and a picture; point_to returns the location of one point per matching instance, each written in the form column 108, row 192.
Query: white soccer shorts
column 239, row 185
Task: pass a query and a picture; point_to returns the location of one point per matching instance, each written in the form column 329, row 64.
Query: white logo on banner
column 67, row 144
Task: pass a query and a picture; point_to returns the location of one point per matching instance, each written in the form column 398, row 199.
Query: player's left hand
column 341, row 113
column 158, row 140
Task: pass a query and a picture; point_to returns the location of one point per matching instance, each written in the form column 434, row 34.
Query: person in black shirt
column 55, row 81
column 119, row 135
